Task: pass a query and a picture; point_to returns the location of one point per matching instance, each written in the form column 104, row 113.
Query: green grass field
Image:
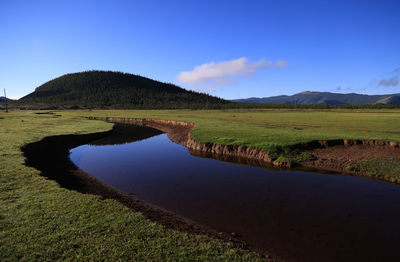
column 270, row 128
column 41, row 221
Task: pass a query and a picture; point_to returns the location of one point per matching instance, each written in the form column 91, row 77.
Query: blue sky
column 231, row 49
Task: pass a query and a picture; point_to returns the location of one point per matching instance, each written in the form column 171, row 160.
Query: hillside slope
column 325, row 98
column 4, row 99
column 107, row 89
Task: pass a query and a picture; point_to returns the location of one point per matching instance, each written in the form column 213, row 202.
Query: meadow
column 39, row 220
column 269, row 128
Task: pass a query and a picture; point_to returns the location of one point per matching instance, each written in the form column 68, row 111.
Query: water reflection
column 299, row 216
column 125, row 133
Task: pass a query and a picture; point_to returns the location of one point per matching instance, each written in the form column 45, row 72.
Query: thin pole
column 5, row 97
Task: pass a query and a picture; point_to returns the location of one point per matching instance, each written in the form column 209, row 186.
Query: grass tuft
column 383, row 168
column 285, row 161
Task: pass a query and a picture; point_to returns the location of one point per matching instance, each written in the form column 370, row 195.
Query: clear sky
column 231, row 49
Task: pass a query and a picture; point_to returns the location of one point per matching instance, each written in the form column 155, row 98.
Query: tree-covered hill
column 107, row 89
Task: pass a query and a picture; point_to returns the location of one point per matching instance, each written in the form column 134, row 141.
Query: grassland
column 275, row 130
column 268, row 129
column 41, row 221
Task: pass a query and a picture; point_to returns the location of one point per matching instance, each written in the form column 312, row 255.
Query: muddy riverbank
column 329, row 155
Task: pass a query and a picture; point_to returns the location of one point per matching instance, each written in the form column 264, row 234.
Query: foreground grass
column 41, row 221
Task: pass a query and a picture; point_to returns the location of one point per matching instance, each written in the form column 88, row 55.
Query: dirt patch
column 337, row 158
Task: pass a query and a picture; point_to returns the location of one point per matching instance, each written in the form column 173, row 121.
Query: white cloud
column 281, row 63
column 207, row 77
column 393, row 81
column 14, row 97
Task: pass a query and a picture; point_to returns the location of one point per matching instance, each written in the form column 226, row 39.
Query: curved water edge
column 51, row 156
column 297, row 216
column 179, row 132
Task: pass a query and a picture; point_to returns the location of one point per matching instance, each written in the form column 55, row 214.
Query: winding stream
column 298, row 216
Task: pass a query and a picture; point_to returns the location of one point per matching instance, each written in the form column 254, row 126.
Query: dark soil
column 337, row 158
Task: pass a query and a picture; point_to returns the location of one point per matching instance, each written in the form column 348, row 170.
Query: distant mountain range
column 328, row 98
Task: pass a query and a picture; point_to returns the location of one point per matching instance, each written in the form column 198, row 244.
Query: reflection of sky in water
column 289, row 209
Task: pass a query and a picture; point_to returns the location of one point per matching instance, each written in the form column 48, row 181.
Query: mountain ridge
column 329, row 98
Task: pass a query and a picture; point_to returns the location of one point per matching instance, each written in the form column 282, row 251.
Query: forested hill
column 106, row 89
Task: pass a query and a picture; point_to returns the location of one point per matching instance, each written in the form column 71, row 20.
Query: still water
column 298, row 216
